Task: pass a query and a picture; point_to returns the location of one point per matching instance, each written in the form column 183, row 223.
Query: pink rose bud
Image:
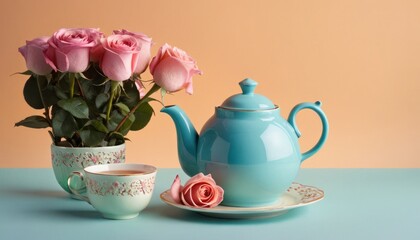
column 173, row 69
column 144, row 56
column 34, row 54
column 199, row 191
column 120, row 56
column 70, row 48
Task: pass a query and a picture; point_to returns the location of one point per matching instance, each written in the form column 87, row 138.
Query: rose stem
column 114, row 86
column 80, row 88
column 71, row 77
column 150, row 92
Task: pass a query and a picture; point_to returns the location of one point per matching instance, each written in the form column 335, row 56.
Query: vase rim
column 63, row 147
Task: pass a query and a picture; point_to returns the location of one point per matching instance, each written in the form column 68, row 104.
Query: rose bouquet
column 89, row 85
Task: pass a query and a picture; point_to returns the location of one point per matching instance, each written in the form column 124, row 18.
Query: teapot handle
column 325, row 128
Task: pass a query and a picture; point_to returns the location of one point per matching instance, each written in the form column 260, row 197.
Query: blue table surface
column 358, row 204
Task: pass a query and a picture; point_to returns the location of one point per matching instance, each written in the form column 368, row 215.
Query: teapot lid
column 248, row 100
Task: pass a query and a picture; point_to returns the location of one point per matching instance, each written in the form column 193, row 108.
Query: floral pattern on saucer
column 308, row 194
column 117, row 188
column 298, row 195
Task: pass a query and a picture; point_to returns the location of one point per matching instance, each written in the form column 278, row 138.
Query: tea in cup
column 117, row 191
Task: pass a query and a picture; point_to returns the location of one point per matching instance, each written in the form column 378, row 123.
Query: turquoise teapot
column 247, row 147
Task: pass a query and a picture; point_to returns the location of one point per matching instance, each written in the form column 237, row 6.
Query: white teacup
column 118, row 191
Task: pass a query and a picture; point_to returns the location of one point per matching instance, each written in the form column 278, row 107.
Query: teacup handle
column 325, row 128
column 77, row 192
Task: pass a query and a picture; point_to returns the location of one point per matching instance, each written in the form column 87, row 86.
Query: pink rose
column 173, row 69
column 144, row 56
column 70, row 48
column 200, row 191
column 120, row 56
column 34, row 54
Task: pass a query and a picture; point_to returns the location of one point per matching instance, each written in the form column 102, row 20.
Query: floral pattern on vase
column 66, row 159
column 116, row 188
column 85, row 159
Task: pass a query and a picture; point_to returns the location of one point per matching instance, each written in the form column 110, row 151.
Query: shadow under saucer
column 189, row 216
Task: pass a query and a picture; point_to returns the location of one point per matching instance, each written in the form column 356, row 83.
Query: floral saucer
column 297, row 195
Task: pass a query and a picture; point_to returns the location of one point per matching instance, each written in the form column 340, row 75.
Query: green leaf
column 63, row 123
column 98, row 125
column 116, row 118
column 60, row 93
column 125, row 128
column 81, row 122
column 131, row 96
column 50, row 96
column 112, row 142
column 91, row 137
column 76, row 106
column 116, row 138
column 124, row 109
column 31, row 93
column 62, row 86
column 101, row 100
column 27, row 72
column 143, row 114
column 34, row 122
column 89, row 90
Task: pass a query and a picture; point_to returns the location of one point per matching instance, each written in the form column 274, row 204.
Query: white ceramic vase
column 68, row 159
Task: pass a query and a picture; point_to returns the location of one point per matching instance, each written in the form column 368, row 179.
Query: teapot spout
column 187, row 138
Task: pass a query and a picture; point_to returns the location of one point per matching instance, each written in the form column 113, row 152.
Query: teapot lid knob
column 248, row 86
column 248, row 100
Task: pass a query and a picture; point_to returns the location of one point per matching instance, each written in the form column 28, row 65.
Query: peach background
column 360, row 58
